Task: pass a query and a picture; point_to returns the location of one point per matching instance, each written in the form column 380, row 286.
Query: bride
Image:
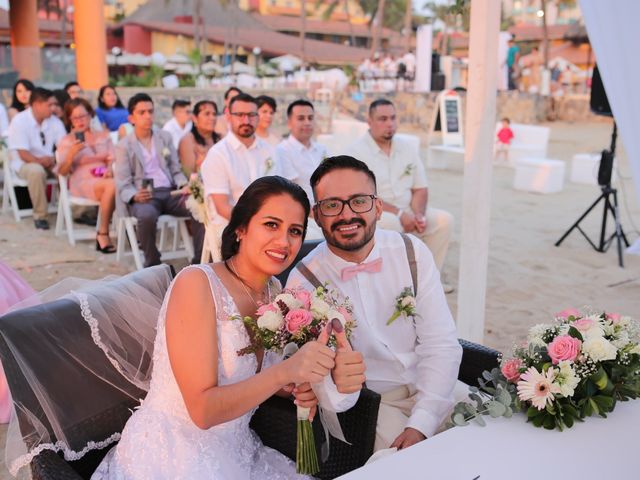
column 194, row 422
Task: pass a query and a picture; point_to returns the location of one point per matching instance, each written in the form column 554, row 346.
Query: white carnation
column 536, row 333
column 566, row 379
column 289, row 300
column 319, row 307
column 270, row 320
column 331, row 314
column 599, row 349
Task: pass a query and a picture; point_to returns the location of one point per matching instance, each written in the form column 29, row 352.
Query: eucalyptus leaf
column 496, row 409
column 480, row 421
column 459, row 420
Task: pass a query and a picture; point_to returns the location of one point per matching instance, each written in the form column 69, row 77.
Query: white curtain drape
column 614, row 34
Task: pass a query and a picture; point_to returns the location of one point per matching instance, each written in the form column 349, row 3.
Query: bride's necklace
column 246, row 288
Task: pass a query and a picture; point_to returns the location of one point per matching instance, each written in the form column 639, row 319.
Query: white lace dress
column 161, row 442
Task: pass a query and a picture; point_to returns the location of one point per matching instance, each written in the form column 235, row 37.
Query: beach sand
column 529, row 279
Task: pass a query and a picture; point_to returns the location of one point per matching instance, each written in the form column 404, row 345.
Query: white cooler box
column 540, row 175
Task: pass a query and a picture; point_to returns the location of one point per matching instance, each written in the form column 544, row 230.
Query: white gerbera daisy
column 537, row 387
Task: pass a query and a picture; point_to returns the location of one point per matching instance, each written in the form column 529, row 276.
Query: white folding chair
column 9, row 199
column 212, row 235
column 64, row 220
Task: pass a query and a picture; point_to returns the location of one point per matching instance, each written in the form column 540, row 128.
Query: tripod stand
column 608, row 194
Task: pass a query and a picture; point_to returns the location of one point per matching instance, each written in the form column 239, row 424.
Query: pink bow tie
column 374, row 266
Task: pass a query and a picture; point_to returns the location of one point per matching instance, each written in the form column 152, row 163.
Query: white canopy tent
column 614, row 34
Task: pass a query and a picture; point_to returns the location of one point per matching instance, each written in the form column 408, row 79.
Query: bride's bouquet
column 293, row 318
column 576, row 367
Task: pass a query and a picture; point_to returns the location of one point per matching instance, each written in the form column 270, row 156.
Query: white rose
column 331, row 314
column 622, row 340
column 270, row 320
column 319, row 307
column 409, row 302
column 595, row 331
column 599, row 349
column 289, row 300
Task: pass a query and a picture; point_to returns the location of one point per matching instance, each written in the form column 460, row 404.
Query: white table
column 509, row 449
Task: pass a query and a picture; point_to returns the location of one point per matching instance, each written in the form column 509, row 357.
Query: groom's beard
column 350, row 244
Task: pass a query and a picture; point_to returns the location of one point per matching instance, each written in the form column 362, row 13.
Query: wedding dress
column 160, row 440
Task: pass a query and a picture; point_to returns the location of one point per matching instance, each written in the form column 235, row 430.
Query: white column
column 423, row 59
column 479, row 140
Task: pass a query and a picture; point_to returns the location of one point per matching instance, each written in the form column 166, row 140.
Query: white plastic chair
column 212, row 235
column 64, row 220
column 9, row 199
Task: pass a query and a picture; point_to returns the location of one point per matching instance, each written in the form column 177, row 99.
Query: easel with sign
column 447, row 118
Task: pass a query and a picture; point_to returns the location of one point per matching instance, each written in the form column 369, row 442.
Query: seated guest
column 194, row 145
column 412, row 362
column 73, row 89
column 266, row 110
column 60, row 98
column 33, row 133
column 149, row 155
column 402, row 182
column 222, row 127
column 20, row 98
column 111, row 111
column 85, row 157
column 238, row 159
column 299, row 155
column 180, row 123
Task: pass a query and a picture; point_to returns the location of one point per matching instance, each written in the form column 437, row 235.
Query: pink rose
column 614, row 317
column 304, row 298
column 267, row 307
column 583, row 324
column 564, row 314
column 345, row 313
column 511, row 370
column 296, row 319
column 564, row 347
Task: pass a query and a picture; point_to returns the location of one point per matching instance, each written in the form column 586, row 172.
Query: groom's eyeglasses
column 332, row 207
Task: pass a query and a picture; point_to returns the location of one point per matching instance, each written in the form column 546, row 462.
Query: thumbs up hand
column 348, row 373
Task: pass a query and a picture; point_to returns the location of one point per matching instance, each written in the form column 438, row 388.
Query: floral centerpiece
column 293, row 318
column 576, row 367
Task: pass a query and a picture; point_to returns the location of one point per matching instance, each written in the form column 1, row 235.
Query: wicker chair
column 274, row 421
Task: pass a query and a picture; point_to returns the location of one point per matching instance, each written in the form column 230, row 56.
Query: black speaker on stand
column 599, row 104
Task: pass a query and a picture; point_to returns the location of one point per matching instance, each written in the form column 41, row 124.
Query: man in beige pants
column 33, row 133
column 411, row 360
column 402, row 183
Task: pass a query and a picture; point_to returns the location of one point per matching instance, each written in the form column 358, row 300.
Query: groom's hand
column 348, row 374
column 409, row 437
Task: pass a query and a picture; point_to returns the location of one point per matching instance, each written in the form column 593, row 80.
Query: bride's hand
column 305, row 397
column 311, row 363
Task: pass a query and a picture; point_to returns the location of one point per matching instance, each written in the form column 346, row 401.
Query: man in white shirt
column 233, row 163
column 147, row 171
column 180, row 123
column 402, row 182
column 299, row 155
column 412, row 362
column 33, row 133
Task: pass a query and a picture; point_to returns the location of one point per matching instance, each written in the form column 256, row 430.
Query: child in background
column 503, row 142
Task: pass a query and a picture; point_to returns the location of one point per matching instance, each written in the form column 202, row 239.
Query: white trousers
column 436, row 236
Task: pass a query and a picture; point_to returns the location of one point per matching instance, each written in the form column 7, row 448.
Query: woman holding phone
column 86, row 156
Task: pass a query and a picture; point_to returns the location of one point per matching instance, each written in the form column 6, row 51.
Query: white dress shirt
column 173, row 127
column 299, row 162
column 230, row 167
column 24, row 134
column 396, row 174
column 423, row 352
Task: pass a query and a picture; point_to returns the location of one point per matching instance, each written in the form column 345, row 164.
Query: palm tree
column 407, row 24
column 303, row 30
column 379, row 21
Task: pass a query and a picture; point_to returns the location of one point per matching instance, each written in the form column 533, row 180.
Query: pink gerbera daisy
column 537, row 387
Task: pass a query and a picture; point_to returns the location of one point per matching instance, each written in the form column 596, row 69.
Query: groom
column 412, row 362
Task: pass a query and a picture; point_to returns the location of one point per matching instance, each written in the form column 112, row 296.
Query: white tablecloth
column 514, row 450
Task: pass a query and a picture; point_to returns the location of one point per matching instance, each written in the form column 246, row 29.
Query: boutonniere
column 405, row 305
column 268, row 165
column 166, row 152
column 408, row 170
